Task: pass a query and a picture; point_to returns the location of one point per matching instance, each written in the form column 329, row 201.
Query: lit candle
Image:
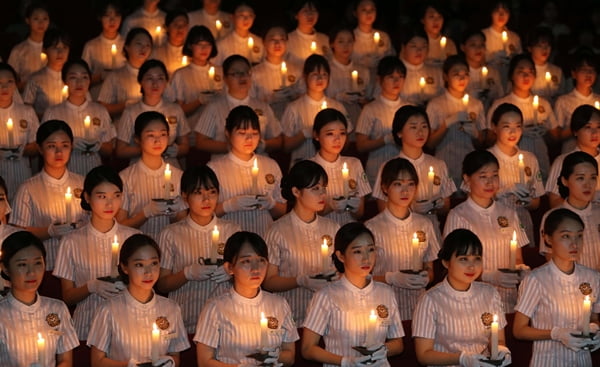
column 184, row 60
column 9, row 128
column 283, row 74
column 211, row 78
column 324, row 105
column 536, row 105
column 41, row 349
column 154, row 351
column 157, row 34
column 484, row 74
column 114, row 272
column 167, row 181
column 215, row 245
column 597, row 105
column 354, row 75
column 113, row 52
column 465, row 101
column 264, row 337
column 68, row 200
column 325, row 256
column 494, row 339
column 521, row 169
column 43, row 57
column 255, row 177
column 422, row 84
column 548, row 78
column 218, row 26
column 250, row 47
column 505, row 42
column 443, row 41
column 376, row 38
column 430, row 179
column 371, row 329
column 512, row 260
column 86, row 127
column 313, row 47
column 345, row 177
column 587, row 312
column 64, row 92
column 416, row 258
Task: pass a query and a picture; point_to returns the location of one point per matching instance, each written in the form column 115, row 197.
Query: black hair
column 238, row 239
column 333, row 33
column 197, row 34
column 150, row 64
column 435, row 5
column 582, row 116
column 49, row 127
column 392, row 169
column 66, row 68
column 145, row 118
column 505, row 108
column 302, row 175
column 401, row 117
column 16, row 242
column 471, row 32
column 95, row 177
column 230, row 60
column 460, row 242
column 241, row 117
column 4, row 66
column 344, row 237
column 196, row 177
column 554, row 218
column 173, row 14
column 54, row 36
column 389, row 65
column 36, row 5
column 130, row 246
column 105, row 5
column 133, row 32
column 514, row 62
column 568, row 165
column 297, row 5
column 324, row 117
column 315, row 63
column 414, row 32
column 584, row 57
column 477, row 159
column 452, row 61
column 540, row 34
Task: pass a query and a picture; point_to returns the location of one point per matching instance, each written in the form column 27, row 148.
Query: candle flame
column 504, row 36
column 113, row 49
column 154, row 327
column 536, row 101
column 465, row 99
column 324, row 105
column 68, row 190
column 548, row 76
column 218, row 24
column 373, row 313
column 376, row 37
column 514, row 236
column 40, row 336
column 184, row 60
column 250, row 42
column 415, row 237
column 65, row 90
column 443, row 41
column 520, row 157
column 313, row 46
column 422, row 82
column 158, row 30
column 495, row 318
column 283, row 67
column 9, row 124
column 484, row 71
column 431, row 169
column 255, row 163
column 262, row 316
column 586, row 298
column 345, row 167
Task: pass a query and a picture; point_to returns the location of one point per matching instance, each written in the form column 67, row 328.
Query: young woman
column 26, row 318
column 120, row 87
column 374, row 126
column 153, row 79
column 549, row 80
column 84, row 255
column 410, row 130
column 47, row 204
column 520, row 188
column 539, row 121
column 585, row 125
column 249, row 199
column 170, row 52
column 124, row 328
column 45, row 87
column 494, row 224
column 208, row 15
column 94, row 133
column 148, row 16
column 299, row 116
column 151, row 197
column 394, row 230
column 369, row 48
column 456, row 118
column 230, row 328
column 552, row 315
column 440, row 46
column 342, row 312
column 190, row 244
column 241, row 41
column 193, row 86
column 302, row 39
column 577, row 184
column 17, row 146
column 345, row 195
column 452, row 320
column 210, row 130
column 295, row 240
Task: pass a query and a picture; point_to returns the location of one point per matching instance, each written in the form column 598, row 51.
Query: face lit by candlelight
column 57, row 55
column 366, row 12
column 243, row 141
column 154, row 139
column 523, row 76
column 8, row 85
column 342, row 45
column 56, row 150
column 457, row 78
column 38, row 21
column 202, row 202
column 509, row 129
column 540, row 52
column 588, row 137
column 142, row 267
column 332, row 137
column 177, row 30
column 243, row 18
column 105, row 200
column 307, row 17
column 201, row 51
column 317, row 80
column 483, row 183
column 582, row 183
column 276, row 42
column 415, row 132
column 415, row 51
column 138, row 49
column 474, row 49
column 463, row 270
column 111, row 20
column 584, row 76
column 432, row 21
column 248, row 268
column 154, row 82
column 401, row 191
column 391, row 85
column 26, row 269
column 311, row 198
column 359, row 256
column 500, row 17
column 237, row 78
column 565, row 241
column 78, row 81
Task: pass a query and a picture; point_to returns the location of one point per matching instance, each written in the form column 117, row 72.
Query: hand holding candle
column 512, row 260
column 68, row 202
column 9, row 129
column 114, row 272
column 494, row 339
column 214, row 249
column 167, row 194
column 416, row 258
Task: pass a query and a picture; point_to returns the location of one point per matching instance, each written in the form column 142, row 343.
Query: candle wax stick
column 494, row 339
column 371, row 329
column 512, row 260
column 430, row 180
column 11, row 137
column 587, row 312
column 255, row 178
column 68, row 200
column 416, row 257
column 325, row 256
column 211, row 78
column 521, row 170
column 86, row 128
column 113, row 51
column 155, row 346
column 264, row 336
column 114, row 272
column 283, row 74
column 345, row 178
column 354, row 76
column 214, row 249
column 41, row 349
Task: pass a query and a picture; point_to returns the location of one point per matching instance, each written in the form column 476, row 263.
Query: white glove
column 471, row 359
column 132, row 363
column 524, row 270
column 453, row 119
column 171, row 151
column 423, row 207
column 352, row 204
column 164, row 361
column 496, row 277
column 504, row 355
column 198, row 271
column 178, row 205
column 564, row 336
column 305, row 281
column 388, row 139
column 102, row 288
column 379, row 352
column 266, row 201
column 338, row 205
column 80, row 144
column 307, row 132
column 518, row 189
column 406, row 280
column 155, row 208
column 59, row 230
column 273, row 356
column 220, row 275
column 360, row 361
column 470, row 128
column 239, row 203
column 595, row 343
column 534, row 131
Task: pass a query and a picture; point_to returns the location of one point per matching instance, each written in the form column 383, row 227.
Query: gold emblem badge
column 272, row 322
column 23, row 124
column 270, row 178
column 472, row 116
column 352, row 184
column 96, row 121
column 52, row 320
column 172, row 120
column 554, row 79
column 541, row 109
column 77, row 192
column 528, row 171
column 221, row 248
column 291, row 78
column 502, row 221
column 585, row 288
column 217, row 78
column 162, row 323
column 437, row 181
column 421, row 236
column 490, row 81
column 429, row 80
column 381, row 43
column 256, row 49
column 258, row 111
column 487, row 319
column 382, row 311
